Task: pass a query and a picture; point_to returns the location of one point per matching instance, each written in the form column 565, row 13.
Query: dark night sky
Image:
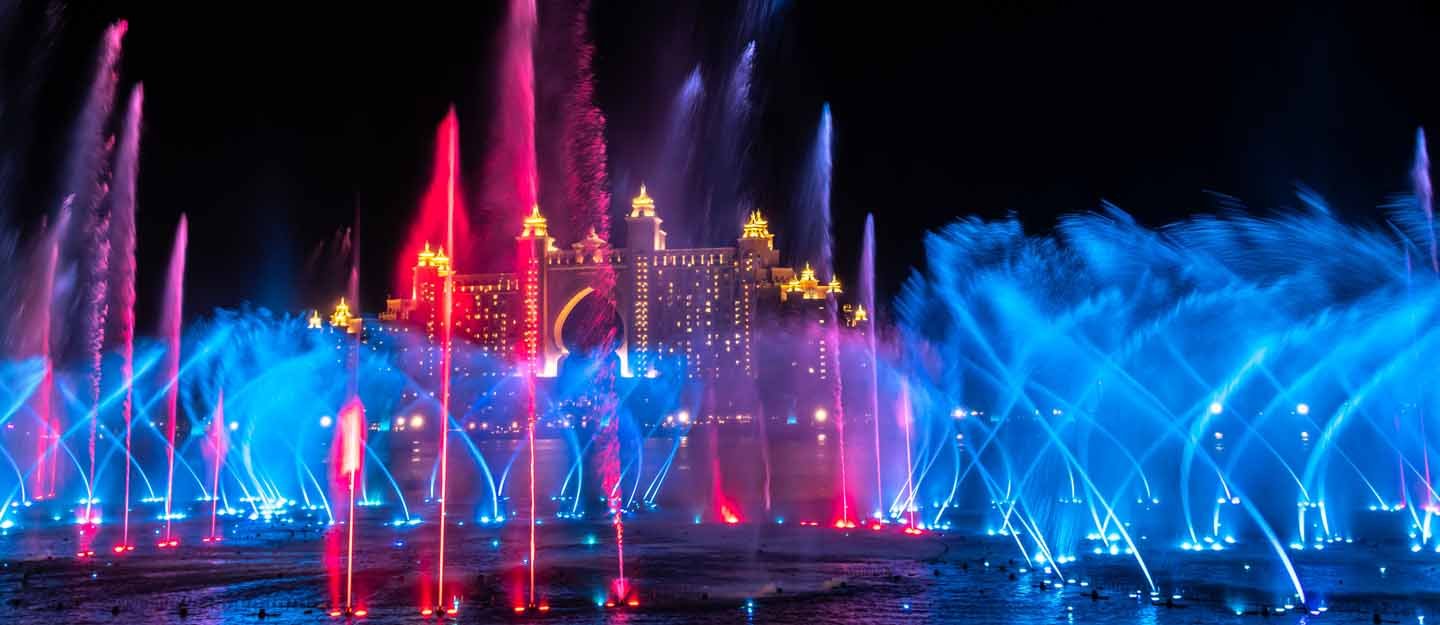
column 268, row 125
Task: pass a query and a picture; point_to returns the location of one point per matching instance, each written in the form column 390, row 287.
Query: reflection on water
column 685, row 476
column 761, row 570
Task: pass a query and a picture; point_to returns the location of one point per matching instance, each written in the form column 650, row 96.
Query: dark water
column 690, row 574
column 758, row 571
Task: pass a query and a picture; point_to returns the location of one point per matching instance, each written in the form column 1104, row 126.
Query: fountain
column 1230, row 411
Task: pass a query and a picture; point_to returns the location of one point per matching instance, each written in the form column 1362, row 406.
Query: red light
column 119, row 548
column 545, row 607
column 453, row 611
column 875, row 526
column 362, row 612
column 334, row 614
column 519, row 609
column 633, row 603
column 426, row 612
column 609, row 604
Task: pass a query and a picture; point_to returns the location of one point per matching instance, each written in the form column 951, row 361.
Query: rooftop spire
column 641, row 205
column 535, row 224
column 341, row 317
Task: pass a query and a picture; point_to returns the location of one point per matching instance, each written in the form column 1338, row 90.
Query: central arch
column 557, row 330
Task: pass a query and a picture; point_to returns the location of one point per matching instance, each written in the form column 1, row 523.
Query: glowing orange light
column 334, row 614
column 426, row 612
column 362, row 612
column 519, row 609
column 609, row 604
column 544, row 607
column 633, row 603
column 452, row 611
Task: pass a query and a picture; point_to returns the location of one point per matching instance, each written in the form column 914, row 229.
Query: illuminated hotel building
column 712, row 315
column 694, row 310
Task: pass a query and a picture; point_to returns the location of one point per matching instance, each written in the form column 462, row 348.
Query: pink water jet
column 348, row 459
column 219, row 444
column 122, row 269
column 434, row 215
column 446, row 330
column 170, row 330
column 47, row 439
column 96, row 176
column 587, row 184
column 867, row 301
column 511, row 174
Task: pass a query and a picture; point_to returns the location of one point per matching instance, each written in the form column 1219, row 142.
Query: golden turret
column 810, row 287
column 426, row 256
column 315, row 322
column 860, row 315
column 757, row 228
column 807, row 276
column 641, row 205
column 441, row 262
column 535, row 225
column 341, row 317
